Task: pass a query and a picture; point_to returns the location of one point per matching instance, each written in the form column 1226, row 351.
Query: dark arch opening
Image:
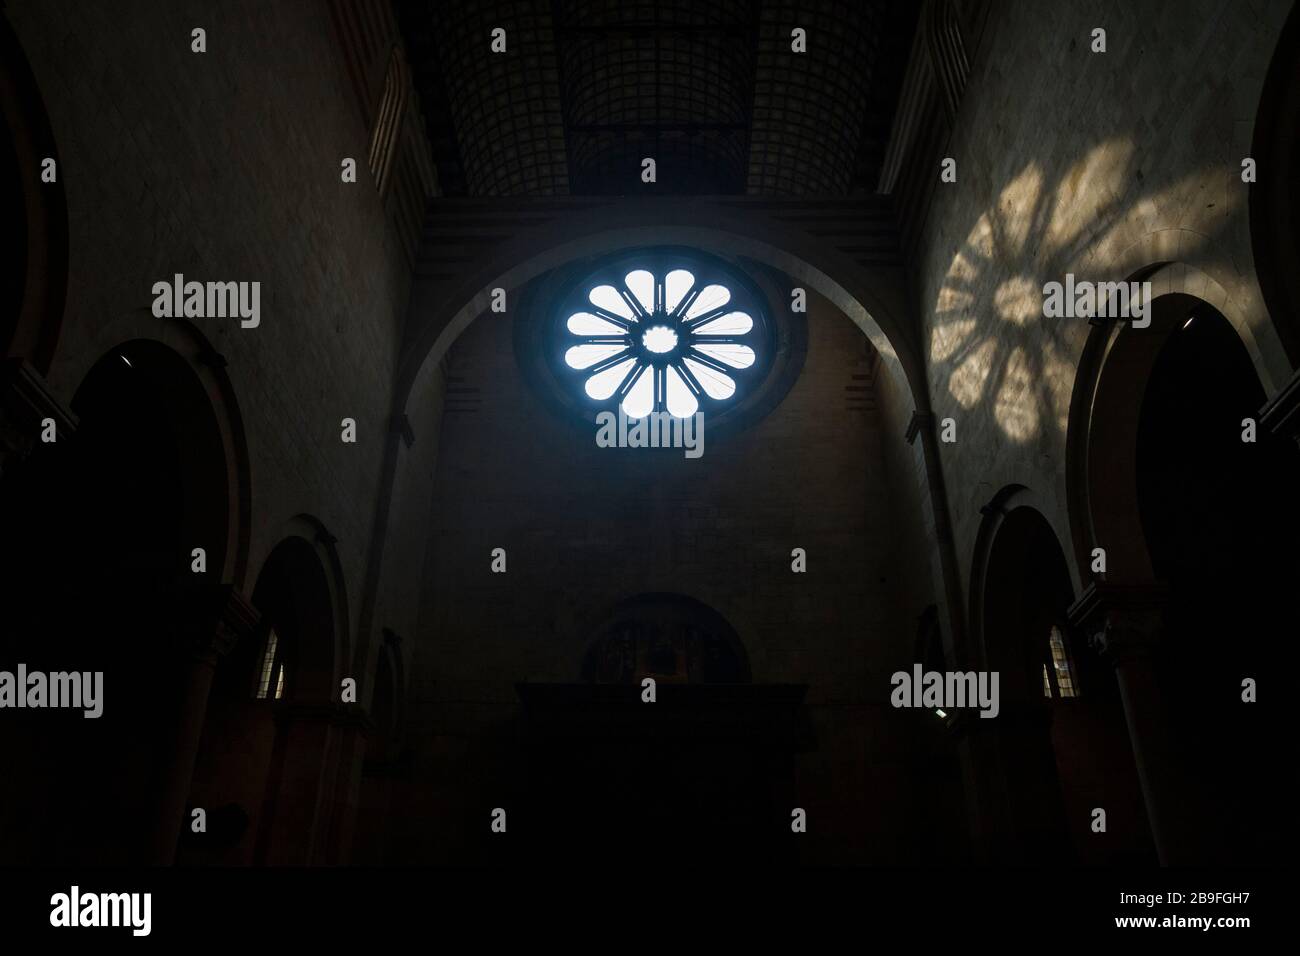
column 1221, row 517
column 100, row 528
column 1027, row 588
column 669, row 637
column 255, row 762
column 1062, row 746
column 293, row 596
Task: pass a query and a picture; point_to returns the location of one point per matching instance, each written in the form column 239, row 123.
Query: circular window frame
column 537, row 349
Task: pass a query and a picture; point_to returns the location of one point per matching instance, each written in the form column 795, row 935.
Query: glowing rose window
column 664, row 334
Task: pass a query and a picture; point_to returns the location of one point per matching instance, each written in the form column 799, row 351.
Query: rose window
column 676, row 336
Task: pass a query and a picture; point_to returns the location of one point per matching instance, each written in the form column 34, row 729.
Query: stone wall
column 1097, row 164
column 225, row 165
column 584, row 527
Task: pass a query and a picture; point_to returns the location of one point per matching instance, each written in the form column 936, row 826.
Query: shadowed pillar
column 1126, row 623
column 312, row 794
column 231, row 619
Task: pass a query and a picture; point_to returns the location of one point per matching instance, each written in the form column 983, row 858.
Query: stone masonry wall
column 225, row 165
column 1092, row 163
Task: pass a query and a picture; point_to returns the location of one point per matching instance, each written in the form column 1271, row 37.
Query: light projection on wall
column 990, row 348
column 662, row 334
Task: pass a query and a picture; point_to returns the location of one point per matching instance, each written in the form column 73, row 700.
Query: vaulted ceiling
column 712, row 91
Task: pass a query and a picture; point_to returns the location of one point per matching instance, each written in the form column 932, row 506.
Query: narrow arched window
column 270, row 682
column 1058, row 672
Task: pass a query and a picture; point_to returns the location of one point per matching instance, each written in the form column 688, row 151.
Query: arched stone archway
column 34, row 275
column 1112, row 374
column 873, row 301
column 211, row 388
column 1193, row 504
column 1018, row 583
column 1059, row 747
column 872, row 296
column 276, row 739
column 122, row 528
column 670, row 637
column 332, row 655
column 440, row 311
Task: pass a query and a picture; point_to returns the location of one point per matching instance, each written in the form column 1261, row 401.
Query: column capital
column 1123, row 621
column 1281, row 413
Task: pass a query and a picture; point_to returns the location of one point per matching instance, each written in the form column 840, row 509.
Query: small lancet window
column 272, row 675
column 1058, row 675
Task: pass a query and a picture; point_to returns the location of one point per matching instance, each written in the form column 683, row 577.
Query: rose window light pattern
column 660, row 342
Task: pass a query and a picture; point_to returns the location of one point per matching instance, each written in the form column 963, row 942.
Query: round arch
column 1015, row 529
column 1020, row 589
column 101, row 527
column 199, row 363
column 879, row 312
column 315, row 555
column 33, row 283
column 266, row 751
column 1192, row 518
column 1005, row 501
column 1114, row 365
column 1063, row 747
column 671, row 635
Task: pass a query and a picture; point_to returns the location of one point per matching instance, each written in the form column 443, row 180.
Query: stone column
column 1126, row 626
column 985, row 788
column 1014, row 805
column 352, row 728
column 922, row 423
column 225, row 618
column 316, row 769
